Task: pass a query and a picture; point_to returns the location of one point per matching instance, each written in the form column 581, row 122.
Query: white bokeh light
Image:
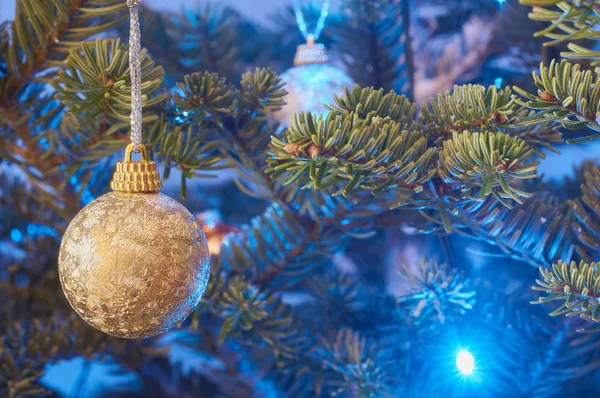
column 465, row 362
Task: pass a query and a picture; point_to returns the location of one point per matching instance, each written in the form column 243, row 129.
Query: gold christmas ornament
column 134, row 263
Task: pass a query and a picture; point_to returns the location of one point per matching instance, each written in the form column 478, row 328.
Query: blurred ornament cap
column 310, row 53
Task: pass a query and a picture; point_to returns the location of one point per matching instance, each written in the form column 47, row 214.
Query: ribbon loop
column 302, row 22
column 135, row 70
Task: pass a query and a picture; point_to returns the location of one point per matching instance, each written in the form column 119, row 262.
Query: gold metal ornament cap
column 136, row 176
column 310, row 53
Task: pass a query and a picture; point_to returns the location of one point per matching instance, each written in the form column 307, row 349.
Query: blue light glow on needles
column 498, row 83
column 465, row 362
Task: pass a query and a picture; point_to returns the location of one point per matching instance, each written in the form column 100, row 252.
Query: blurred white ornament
column 311, row 83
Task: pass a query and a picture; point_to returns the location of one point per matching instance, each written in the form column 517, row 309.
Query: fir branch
column 261, row 94
column 161, row 377
column 540, row 137
column 374, row 35
column 586, row 212
column 488, row 162
column 282, row 248
column 477, row 109
column 372, row 154
column 206, row 93
column 18, row 147
column 511, row 333
column 181, row 146
column 26, row 349
column 94, row 87
column 239, row 118
column 22, row 198
column 368, row 103
column 436, row 289
column 566, row 95
column 242, row 127
column 468, row 107
column 45, row 30
column 569, row 21
column 96, row 82
column 34, row 43
column 93, row 69
column 260, row 319
column 339, row 299
column 360, row 366
column 248, row 132
column 578, row 285
column 539, row 231
column 208, row 38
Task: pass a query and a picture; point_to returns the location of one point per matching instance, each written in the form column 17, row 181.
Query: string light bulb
column 465, row 362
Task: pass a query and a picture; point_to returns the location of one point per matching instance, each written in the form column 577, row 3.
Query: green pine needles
column 96, row 82
column 370, row 153
column 578, row 285
column 567, row 95
column 569, row 21
column 489, row 163
column 467, row 145
column 464, row 162
column 436, row 289
column 469, row 107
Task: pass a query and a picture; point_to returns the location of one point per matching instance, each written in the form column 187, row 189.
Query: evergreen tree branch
column 374, row 35
column 539, row 231
column 282, row 248
column 27, row 348
column 488, row 162
column 372, row 152
column 43, row 31
column 569, row 21
column 469, row 107
column 238, row 117
column 578, row 285
column 361, row 366
column 566, row 95
column 477, row 109
column 436, row 289
column 34, row 43
column 586, row 211
column 209, row 39
column 260, row 318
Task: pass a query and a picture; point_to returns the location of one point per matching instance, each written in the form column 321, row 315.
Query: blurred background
column 488, row 42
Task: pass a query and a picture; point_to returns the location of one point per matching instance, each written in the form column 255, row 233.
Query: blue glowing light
column 500, row 2
column 31, row 229
column 498, row 82
column 465, row 362
column 16, row 235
